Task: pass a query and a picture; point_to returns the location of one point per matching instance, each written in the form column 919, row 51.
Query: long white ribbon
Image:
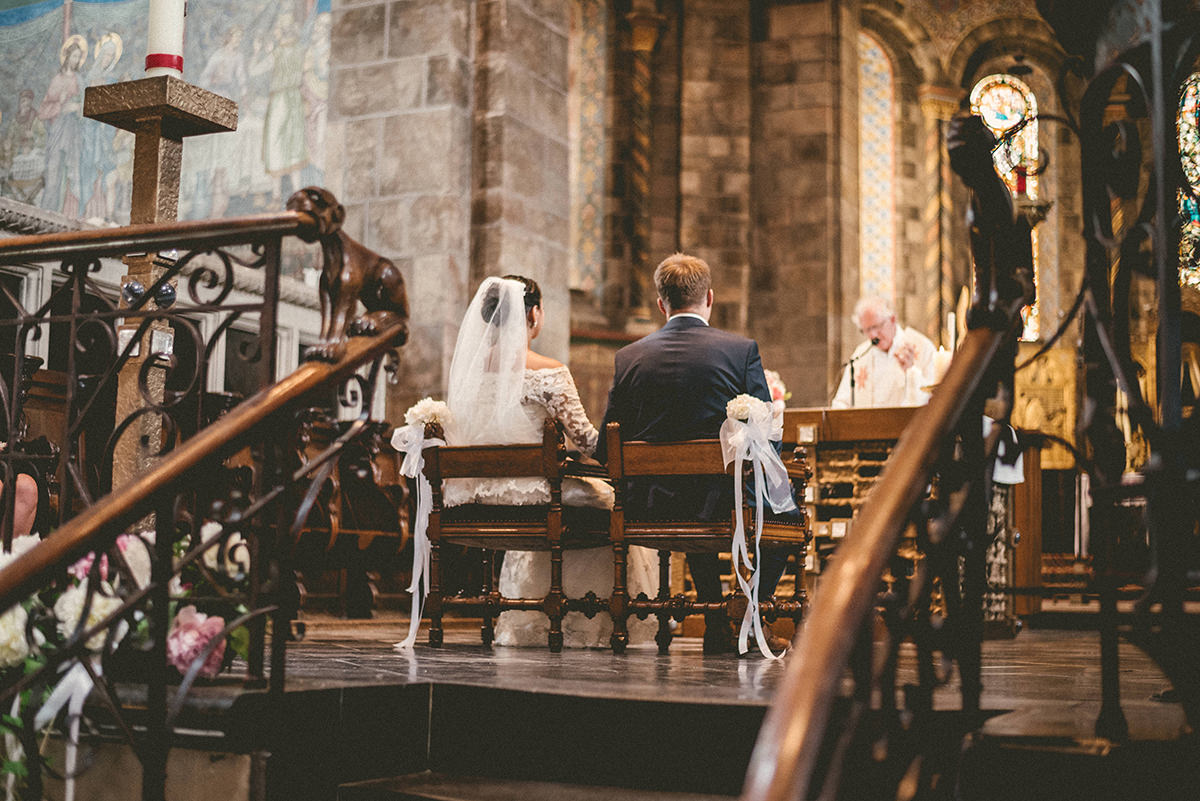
column 72, row 690
column 751, row 439
column 410, row 440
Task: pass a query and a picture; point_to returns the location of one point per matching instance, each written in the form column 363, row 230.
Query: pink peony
column 83, row 565
column 189, row 635
column 779, row 391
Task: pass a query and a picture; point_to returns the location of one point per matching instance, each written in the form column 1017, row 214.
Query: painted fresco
column 271, row 58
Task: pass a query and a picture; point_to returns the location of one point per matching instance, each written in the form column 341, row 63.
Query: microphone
column 875, row 341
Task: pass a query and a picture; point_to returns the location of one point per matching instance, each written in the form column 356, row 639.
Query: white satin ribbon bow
column 751, row 439
column 410, row 440
column 72, row 690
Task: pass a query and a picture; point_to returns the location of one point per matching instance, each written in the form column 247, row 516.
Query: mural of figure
column 284, row 151
column 316, row 96
column 122, row 175
column 24, row 151
column 61, row 111
column 225, row 74
column 97, row 160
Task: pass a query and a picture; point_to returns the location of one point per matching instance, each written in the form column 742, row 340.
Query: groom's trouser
column 706, row 573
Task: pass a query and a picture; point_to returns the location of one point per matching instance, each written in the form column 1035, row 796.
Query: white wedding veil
column 487, row 373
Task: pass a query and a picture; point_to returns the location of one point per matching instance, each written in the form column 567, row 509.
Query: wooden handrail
column 192, row 235
column 785, row 754
column 108, row 516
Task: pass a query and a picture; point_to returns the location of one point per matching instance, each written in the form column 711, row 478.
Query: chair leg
column 433, row 601
column 663, row 637
column 554, row 601
column 487, row 629
column 799, row 592
column 618, row 604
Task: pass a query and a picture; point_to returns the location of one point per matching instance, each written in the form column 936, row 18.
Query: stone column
column 521, row 154
column 645, row 23
column 805, row 214
column 938, row 105
column 160, row 112
column 399, row 159
column 714, row 177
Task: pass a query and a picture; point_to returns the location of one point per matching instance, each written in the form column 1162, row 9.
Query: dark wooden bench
column 691, row 458
column 492, row 528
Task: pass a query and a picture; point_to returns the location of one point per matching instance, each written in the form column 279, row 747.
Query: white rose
column 69, row 607
column 13, row 645
column 426, row 411
column 742, row 406
column 19, row 546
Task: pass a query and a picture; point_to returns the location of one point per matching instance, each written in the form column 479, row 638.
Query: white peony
column 19, row 546
column 426, row 411
column 741, row 407
column 13, row 645
column 69, row 607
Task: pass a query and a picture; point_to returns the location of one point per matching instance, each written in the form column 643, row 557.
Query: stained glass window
column 1188, row 124
column 876, row 171
column 1004, row 102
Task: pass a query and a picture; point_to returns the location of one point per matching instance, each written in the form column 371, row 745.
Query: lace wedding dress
column 551, row 393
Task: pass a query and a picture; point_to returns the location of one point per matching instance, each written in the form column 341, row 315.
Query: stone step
column 429, row 786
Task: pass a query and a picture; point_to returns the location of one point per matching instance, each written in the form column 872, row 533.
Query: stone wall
column 521, row 194
column 797, row 199
column 714, row 158
column 399, row 156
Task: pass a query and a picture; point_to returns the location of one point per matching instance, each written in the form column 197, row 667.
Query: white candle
column 164, row 45
column 941, row 363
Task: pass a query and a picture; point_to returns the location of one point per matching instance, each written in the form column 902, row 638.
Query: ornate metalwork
column 209, row 525
column 933, row 592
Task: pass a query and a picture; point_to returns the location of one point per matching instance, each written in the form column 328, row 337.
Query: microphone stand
column 853, row 359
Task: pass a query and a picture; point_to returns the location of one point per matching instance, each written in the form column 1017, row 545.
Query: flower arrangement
column 742, row 406
column 779, row 392
column 190, row 635
column 427, row 411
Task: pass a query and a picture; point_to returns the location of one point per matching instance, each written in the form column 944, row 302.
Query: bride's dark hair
column 533, row 298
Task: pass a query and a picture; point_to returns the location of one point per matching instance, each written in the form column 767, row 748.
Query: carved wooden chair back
column 703, row 459
column 497, row 528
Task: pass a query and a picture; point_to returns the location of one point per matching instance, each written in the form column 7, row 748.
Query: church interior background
column 797, row 146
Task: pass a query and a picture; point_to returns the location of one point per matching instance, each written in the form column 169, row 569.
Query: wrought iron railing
column 812, row 744
column 160, row 577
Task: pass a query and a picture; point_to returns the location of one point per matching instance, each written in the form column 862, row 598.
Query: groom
column 673, row 385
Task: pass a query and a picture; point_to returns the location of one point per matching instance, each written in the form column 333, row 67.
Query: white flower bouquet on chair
column 751, row 425
column 410, row 440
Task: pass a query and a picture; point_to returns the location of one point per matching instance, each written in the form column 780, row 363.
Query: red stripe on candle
column 168, row 60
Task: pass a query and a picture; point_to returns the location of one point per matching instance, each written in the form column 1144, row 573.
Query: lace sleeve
column 558, row 394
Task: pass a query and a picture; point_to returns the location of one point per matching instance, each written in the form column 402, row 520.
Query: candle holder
column 160, row 112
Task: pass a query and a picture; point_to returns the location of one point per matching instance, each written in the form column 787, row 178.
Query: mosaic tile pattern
column 877, row 169
column 587, row 90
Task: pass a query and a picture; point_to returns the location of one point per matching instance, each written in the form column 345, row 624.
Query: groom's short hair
column 682, row 281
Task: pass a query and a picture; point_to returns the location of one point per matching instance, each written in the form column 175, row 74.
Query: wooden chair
column 690, row 458
column 545, row 527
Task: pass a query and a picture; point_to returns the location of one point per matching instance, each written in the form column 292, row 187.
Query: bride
column 502, row 391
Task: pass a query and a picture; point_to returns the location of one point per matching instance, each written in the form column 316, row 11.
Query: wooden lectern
column 848, row 449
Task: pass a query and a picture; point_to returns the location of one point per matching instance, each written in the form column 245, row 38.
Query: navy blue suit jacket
column 673, row 385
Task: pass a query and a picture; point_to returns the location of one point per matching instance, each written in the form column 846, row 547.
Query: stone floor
column 1049, row 679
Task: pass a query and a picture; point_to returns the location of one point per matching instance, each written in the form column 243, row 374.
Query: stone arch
column 1000, row 38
